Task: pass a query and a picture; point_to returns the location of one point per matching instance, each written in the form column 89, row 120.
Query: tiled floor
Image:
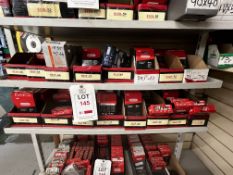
column 17, row 157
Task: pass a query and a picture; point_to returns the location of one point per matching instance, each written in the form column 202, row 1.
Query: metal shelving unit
column 99, row 131
column 211, row 83
column 87, row 28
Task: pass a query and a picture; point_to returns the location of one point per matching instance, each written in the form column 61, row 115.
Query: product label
column 108, row 122
column 146, row 78
column 196, row 74
column 56, row 75
column 157, row 121
column 24, row 120
column 119, row 75
column 86, row 4
column 203, row 4
column 151, row 16
column 177, row 122
column 91, row 13
column 83, row 102
column 88, row 77
column 226, row 59
column 56, row 121
column 117, row 14
column 1, row 12
column 102, row 167
column 135, row 123
column 198, row 122
column 44, row 10
column 88, row 123
column 171, row 77
column 35, row 73
column 15, row 71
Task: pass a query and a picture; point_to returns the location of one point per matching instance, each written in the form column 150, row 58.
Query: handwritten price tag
column 146, row 79
column 226, row 60
column 102, row 167
column 83, row 102
column 203, row 4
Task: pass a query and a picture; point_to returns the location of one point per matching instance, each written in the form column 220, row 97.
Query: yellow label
column 198, row 122
column 119, row 75
column 91, row 13
column 135, row 123
column 44, row 9
column 117, row 14
column 55, row 75
column 56, row 121
column 171, row 77
column 35, row 73
column 24, row 120
column 88, row 77
column 88, row 123
column 15, row 71
column 151, row 16
column 157, row 122
column 108, row 122
column 1, row 12
column 177, row 122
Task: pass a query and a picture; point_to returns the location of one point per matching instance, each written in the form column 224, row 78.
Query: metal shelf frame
column 113, row 24
column 211, row 83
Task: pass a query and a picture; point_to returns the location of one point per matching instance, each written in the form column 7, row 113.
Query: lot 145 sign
column 83, row 102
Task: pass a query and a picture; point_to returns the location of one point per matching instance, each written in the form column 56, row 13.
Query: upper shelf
column 111, row 24
column 211, row 83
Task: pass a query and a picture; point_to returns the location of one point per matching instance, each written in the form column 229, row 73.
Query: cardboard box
column 151, row 12
column 192, row 10
column 197, row 71
column 224, row 11
column 147, row 76
column 50, row 118
column 119, row 12
column 93, row 13
column 16, row 67
column 133, row 103
column 220, row 56
column 171, row 71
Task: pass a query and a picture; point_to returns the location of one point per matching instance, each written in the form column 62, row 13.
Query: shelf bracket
column 10, row 42
column 38, row 151
column 179, row 145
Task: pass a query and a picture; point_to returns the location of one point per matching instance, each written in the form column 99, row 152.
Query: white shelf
column 211, row 83
column 111, row 24
column 99, row 131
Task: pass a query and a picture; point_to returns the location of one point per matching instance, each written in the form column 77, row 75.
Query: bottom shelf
column 99, row 131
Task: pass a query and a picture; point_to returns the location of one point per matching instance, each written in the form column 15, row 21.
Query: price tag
column 196, row 74
column 226, row 60
column 102, row 167
column 83, row 102
column 203, row 4
column 86, row 4
column 146, row 78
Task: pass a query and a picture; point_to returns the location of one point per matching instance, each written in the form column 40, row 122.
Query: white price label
column 1, row 12
column 86, row 4
column 196, row 74
column 226, row 60
column 83, row 102
column 203, row 4
column 146, row 78
column 102, row 167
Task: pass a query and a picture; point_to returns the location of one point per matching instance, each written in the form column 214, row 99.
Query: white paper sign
column 86, row 4
column 83, row 102
column 102, row 167
column 203, row 4
column 146, row 79
column 196, row 74
column 225, row 60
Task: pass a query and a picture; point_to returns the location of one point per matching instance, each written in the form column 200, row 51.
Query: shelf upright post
column 10, row 42
column 179, row 145
column 201, row 44
column 38, row 151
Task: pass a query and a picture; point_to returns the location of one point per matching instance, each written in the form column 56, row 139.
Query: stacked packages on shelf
column 61, row 61
column 143, row 10
column 135, row 154
column 137, row 110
